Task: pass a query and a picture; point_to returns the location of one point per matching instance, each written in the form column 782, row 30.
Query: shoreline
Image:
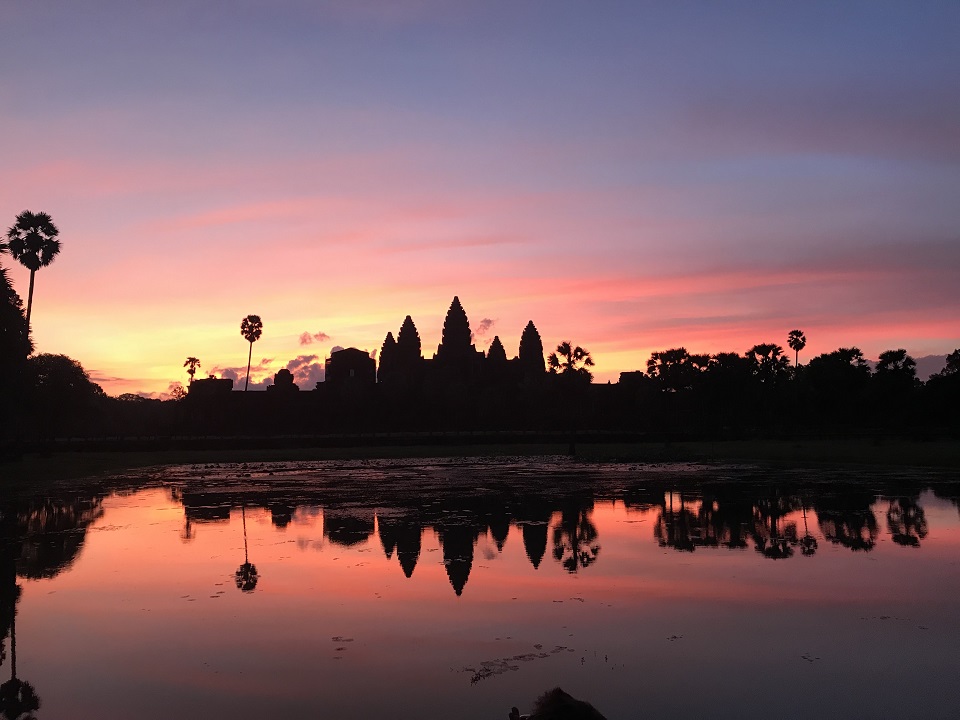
column 77, row 464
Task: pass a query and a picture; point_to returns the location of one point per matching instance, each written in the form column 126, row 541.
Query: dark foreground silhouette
column 558, row 705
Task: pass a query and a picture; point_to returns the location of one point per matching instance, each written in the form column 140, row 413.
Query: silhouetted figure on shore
column 558, row 705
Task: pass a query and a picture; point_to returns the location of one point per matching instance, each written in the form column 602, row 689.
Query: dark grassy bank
column 65, row 464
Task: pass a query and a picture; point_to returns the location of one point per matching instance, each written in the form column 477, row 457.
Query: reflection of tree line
column 41, row 538
column 734, row 517
column 38, row 539
column 775, row 523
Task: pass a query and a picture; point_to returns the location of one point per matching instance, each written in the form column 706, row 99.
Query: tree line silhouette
column 462, row 388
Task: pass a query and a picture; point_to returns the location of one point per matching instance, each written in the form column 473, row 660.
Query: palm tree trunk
column 30, row 300
column 249, row 359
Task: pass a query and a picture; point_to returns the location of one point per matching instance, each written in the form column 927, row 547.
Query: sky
column 631, row 176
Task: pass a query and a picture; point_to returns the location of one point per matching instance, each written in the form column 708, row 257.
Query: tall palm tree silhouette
column 251, row 327
column 32, row 240
column 246, row 575
column 797, row 342
column 571, row 365
column 192, row 364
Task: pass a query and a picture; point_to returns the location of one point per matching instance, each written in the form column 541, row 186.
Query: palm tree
column 797, row 342
column 571, row 364
column 191, row 365
column 251, row 328
column 33, row 241
column 769, row 363
column 571, row 361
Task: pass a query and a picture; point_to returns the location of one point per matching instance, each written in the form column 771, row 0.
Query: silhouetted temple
column 211, row 386
column 457, row 361
column 351, row 366
column 283, row 382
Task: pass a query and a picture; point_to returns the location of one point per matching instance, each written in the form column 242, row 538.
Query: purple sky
column 631, row 176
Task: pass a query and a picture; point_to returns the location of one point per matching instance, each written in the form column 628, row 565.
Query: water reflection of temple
column 777, row 523
column 401, row 533
column 41, row 538
column 458, row 523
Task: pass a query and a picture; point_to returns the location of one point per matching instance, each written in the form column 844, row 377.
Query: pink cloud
column 308, row 338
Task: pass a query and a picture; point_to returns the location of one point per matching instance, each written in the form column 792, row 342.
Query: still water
column 459, row 588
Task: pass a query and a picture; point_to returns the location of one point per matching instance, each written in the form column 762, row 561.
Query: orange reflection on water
column 148, row 621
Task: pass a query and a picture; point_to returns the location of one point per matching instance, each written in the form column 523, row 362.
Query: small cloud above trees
column 307, row 338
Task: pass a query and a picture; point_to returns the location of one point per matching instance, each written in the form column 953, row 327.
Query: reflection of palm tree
column 251, row 327
column 33, row 241
column 18, row 699
column 246, row 575
column 906, row 522
column 770, row 540
column 673, row 527
column 808, row 543
column 575, row 538
column 847, row 519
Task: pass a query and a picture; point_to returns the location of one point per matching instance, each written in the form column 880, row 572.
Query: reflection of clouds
column 307, row 515
column 304, row 543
